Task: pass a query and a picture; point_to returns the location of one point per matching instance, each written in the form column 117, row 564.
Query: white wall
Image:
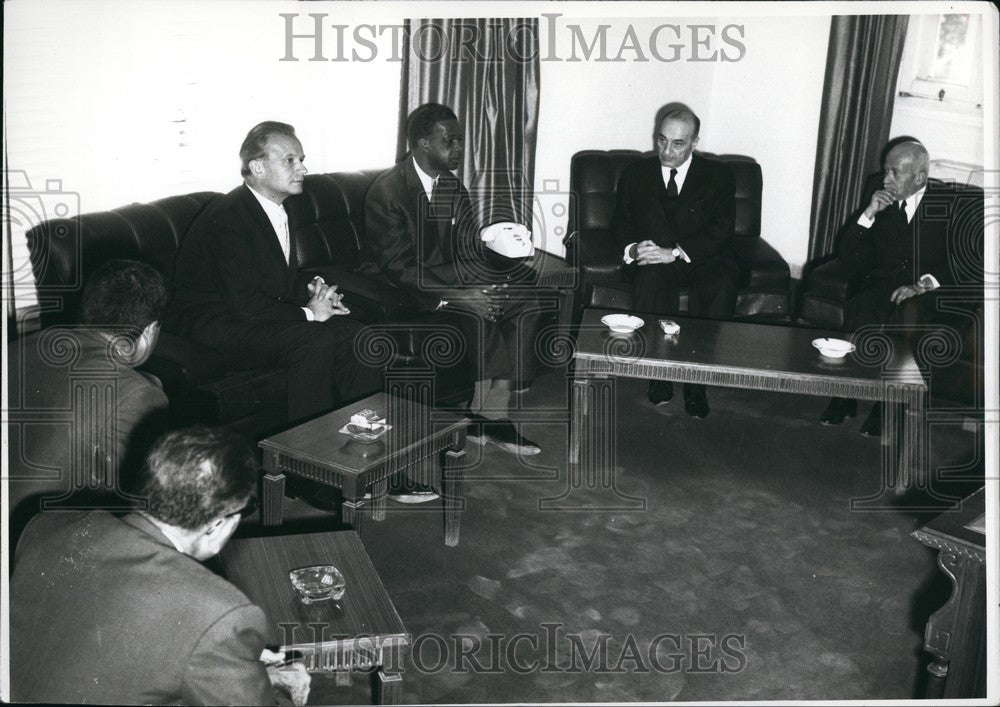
column 765, row 105
column 768, row 106
column 125, row 73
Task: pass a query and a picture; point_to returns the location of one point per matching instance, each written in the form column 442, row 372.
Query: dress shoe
column 837, row 410
column 660, row 392
column 500, row 433
column 695, row 401
column 872, row 426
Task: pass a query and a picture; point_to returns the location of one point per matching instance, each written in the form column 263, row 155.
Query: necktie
column 283, row 238
column 672, row 185
column 902, row 209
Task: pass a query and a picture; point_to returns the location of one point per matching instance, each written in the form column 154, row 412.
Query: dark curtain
column 486, row 70
column 861, row 71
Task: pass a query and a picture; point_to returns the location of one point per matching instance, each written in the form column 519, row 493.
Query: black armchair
column 764, row 285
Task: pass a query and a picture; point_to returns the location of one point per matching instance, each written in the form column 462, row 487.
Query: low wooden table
column 744, row 355
column 361, row 631
column 956, row 633
column 316, row 450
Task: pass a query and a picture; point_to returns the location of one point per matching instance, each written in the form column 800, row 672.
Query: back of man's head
column 123, row 295
column 197, row 475
column 421, row 121
column 254, row 145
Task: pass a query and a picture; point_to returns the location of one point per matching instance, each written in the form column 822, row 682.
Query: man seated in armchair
column 674, row 217
column 898, row 248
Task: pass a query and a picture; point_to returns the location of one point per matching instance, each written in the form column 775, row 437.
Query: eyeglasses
column 248, row 510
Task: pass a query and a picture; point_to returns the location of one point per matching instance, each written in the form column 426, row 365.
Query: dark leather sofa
column 594, row 174
column 328, row 228
column 953, row 361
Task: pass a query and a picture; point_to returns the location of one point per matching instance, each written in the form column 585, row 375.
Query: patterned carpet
column 745, row 577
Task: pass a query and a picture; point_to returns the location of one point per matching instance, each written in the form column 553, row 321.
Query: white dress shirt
column 278, row 217
column 679, row 178
column 912, row 202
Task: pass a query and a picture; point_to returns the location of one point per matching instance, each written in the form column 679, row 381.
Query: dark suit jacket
column 106, row 610
column 230, row 268
column 411, row 252
column 894, row 254
column 705, row 213
column 78, row 431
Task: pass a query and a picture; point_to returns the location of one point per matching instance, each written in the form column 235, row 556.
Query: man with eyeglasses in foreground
column 120, row 610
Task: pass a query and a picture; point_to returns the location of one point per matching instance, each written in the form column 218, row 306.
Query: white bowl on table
column 622, row 323
column 833, row 348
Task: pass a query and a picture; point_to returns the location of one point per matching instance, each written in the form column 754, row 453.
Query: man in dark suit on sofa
column 424, row 237
column 675, row 217
column 898, row 245
column 120, row 610
column 234, row 284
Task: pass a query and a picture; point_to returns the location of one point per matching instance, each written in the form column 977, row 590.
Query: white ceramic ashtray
column 833, row 348
column 622, row 323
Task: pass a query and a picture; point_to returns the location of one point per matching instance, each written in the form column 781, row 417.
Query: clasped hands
column 648, row 253
column 487, row 301
column 324, row 300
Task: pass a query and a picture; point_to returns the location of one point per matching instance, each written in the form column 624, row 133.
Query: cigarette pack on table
column 669, row 326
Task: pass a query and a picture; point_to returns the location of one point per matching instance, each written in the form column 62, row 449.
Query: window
column 942, row 60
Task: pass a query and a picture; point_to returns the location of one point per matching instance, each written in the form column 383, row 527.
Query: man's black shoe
column 660, row 392
column 837, row 410
column 872, row 426
column 695, row 401
column 500, row 433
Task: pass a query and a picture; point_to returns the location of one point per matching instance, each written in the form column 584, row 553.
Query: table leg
column 273, row 497
column 352, row 513
column 379, row 491
column 592, row 453
column 388, row 686
column 452, row 476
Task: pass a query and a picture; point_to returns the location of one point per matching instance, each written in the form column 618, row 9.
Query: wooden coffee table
column 361, row 631
column 316, row 450
column 746, row 355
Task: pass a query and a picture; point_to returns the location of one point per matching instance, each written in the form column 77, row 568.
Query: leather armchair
column 764, row 284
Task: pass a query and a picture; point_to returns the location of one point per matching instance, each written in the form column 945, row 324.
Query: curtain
column 861, row 70
column 486, row 70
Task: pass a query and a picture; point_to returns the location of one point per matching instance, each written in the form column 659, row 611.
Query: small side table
column 419, row 435
column 956, row 633
column 361, row 631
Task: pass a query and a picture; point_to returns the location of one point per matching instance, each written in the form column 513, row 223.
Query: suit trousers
column 323, row 369
column 711, row 287
column 504, row 349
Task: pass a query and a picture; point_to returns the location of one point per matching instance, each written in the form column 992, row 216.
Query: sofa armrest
column 600, row 256
column 181, row 364
column 833, row 280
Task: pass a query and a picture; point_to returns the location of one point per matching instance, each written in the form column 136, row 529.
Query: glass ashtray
column 318, row 583
column 361, row 434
